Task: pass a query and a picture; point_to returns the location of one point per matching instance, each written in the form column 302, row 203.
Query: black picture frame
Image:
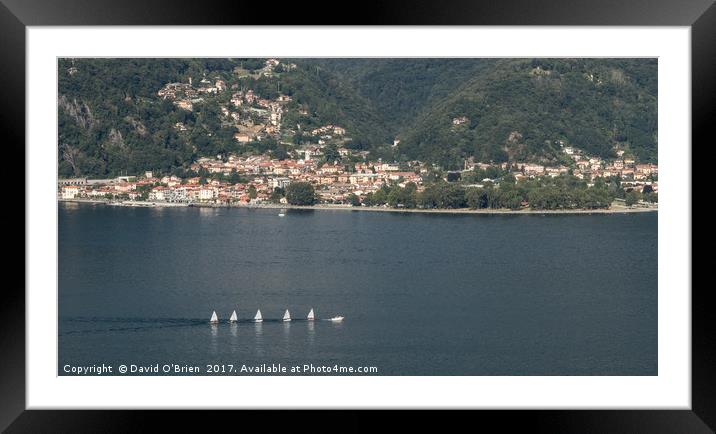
column 16, row 15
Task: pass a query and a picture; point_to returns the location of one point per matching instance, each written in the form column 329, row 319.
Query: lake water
column 422, row 294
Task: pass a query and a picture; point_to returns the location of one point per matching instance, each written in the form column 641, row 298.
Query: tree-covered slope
column 111, row 119
column 399, row 89
column 524, row 109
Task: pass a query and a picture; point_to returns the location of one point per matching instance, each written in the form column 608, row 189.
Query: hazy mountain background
column 112, row 121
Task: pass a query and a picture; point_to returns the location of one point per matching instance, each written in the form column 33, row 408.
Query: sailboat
column 233, row 317
column 287, row 316
column 214, row 318
column 311, row 316
column 258, row 317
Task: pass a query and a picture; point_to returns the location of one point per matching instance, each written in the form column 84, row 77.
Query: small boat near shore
column 258, row 317
column 336, row 319
column 233, row 318
column 286, row 316
column 214, row 318
column 311, row 316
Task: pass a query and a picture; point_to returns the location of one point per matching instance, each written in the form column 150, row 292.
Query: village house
column 555, row 171
column 643, row 169
column 406, row 176
column 611, row 171
column 124, row 187
column 207, row 193
column 363, row 178
column 334, row 168
column 242, row 137
column 70, row 191
column 208, row 89
column 249, row 96
column 280, row 182
column 237, row 99
column 157, row 193
column 582, row 164
column 531, row 168
column 184, row 104
column 171, row 181
column 170, row 90
column 388, row 167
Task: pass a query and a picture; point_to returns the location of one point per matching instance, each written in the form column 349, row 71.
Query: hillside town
column 323, row 156
column 253, row 180
column 252, row 117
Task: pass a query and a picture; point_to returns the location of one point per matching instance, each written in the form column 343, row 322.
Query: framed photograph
column 447, row 207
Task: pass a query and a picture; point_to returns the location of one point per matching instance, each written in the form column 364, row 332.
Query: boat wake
column 89, row 325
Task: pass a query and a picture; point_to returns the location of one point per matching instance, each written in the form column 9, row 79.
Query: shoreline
column 613, row 210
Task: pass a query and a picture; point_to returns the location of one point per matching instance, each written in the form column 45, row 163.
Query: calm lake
column 422, row 294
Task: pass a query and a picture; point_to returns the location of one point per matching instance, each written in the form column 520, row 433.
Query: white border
column 670, row 389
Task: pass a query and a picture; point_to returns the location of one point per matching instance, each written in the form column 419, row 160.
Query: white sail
column 287, row 316
column 311, row 316
column 258, row 317
column 214, row 317
column 233, row 317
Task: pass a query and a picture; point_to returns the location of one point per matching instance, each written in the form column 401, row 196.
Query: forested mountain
column 399, row 89
column 114, row 119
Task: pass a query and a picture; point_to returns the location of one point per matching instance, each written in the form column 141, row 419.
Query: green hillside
column 592, row 104
column 399, row 89
column 112, row 121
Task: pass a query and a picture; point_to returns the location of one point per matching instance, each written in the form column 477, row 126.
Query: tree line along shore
column 617, row 207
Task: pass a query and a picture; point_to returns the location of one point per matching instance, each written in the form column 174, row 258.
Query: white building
column 207, row 193
column 157, row 193
column 70, row 191
column 280, row 182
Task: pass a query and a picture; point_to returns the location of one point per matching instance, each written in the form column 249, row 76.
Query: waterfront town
column 322, row 157
column 258, row 179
